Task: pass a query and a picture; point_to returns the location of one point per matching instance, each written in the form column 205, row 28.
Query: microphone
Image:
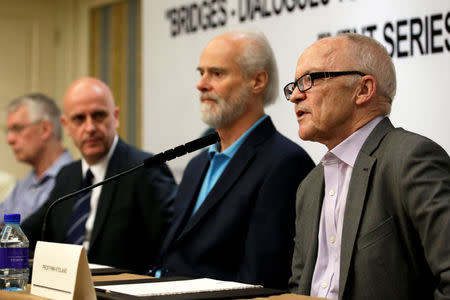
column 148, row 162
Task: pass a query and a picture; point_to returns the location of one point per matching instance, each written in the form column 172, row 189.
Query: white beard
column 223, row 112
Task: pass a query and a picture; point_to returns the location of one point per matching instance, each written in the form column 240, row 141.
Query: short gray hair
column 258, row 55
column 371, row 57
column 40, row 107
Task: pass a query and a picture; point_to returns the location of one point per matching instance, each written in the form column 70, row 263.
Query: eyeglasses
column 306, row 81
column 17, row 129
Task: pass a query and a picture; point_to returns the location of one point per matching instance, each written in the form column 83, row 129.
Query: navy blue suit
column 132, row 215
column 244, row 229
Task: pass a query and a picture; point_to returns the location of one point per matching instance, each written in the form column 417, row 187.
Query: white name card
column 61, row 271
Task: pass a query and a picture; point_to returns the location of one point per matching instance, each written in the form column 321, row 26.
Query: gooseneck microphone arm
column 151, row 161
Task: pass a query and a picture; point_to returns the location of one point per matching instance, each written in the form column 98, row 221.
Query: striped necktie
column 80, row 213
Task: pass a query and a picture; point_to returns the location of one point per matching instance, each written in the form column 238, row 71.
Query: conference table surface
column 25, row 295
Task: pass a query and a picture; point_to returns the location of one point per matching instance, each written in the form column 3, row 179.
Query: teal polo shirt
column 218, row 162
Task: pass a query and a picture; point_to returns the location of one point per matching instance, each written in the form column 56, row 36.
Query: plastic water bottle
column 14, row 245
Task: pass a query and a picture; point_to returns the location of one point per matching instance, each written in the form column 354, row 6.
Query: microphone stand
column 151, row 161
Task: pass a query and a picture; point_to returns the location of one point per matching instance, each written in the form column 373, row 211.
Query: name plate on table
column 61, row 271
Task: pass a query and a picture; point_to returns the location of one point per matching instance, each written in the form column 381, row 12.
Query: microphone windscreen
column 202, row 142
column 182, row 149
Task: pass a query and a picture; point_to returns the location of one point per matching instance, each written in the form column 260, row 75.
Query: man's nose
column 89, row 124
column 10, row 137
column 203, row 84
column 297, row 96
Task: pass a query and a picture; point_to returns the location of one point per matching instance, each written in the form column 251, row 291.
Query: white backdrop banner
column 415, row 32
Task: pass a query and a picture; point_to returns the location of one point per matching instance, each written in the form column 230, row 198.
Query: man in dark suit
column 236, row 201
column 126, row 219
column 373, row 217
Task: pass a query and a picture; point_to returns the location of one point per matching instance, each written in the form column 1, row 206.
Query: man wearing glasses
column 34, row 133
column 373, row 217
column 236, row 200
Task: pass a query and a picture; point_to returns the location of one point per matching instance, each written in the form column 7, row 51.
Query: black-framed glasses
column 305, row 82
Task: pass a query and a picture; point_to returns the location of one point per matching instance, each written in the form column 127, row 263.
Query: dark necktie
column 80, row 213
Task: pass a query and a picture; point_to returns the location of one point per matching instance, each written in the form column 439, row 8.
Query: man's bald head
column 90, row 117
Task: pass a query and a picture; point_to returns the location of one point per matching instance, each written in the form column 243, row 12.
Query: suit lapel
column 229, row 177
column 106, row 197
column 353, row 210
column 73, row 183
column 188, row 196
column 357, row 196
column 233, row 171
column 308, row 224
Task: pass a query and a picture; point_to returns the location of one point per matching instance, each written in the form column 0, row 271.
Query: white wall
column 173, row 39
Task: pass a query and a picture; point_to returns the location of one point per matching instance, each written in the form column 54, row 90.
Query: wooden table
column 25, row 295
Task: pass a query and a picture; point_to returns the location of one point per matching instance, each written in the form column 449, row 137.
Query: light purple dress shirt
column 338, row 166
column 30, row 192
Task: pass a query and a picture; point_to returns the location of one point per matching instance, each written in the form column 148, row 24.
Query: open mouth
column 301, row 110
column 300, row 113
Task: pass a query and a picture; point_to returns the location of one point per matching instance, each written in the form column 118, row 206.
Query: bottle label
column 13, row 258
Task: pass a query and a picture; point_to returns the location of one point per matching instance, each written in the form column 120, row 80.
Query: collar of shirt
column 348, row 150
column 99, row 169
column 52, row 171
column 218, row 163
column 230, row 151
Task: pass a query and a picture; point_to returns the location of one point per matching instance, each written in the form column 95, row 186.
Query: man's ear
column 116, row 113
column 366, row 90
column 259, row 81
column 47, row 129
column 65, row 123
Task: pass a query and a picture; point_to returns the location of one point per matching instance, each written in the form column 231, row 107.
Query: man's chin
column 93, row 155
column 304, row 134
column 212, row 121
column 208, row 108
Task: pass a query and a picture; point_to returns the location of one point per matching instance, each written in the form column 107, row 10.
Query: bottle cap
column 12, row 218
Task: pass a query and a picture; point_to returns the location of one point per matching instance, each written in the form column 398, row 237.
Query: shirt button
column 332, row 239
column 324, row 285
column 331, row 192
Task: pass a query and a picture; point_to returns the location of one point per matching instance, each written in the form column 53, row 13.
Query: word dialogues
column 210, row 14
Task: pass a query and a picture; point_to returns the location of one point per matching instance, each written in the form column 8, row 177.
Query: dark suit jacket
column 132, row 214
column 396, row 231
column 244, row 229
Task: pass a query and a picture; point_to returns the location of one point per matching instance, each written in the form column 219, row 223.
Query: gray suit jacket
column 396, row 231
